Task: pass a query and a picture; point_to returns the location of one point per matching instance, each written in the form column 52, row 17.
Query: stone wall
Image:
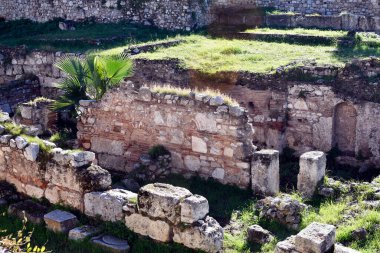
column 62, row 177
column 296, row 106
column 203, row 134
column 359, row 7
column 170, row 14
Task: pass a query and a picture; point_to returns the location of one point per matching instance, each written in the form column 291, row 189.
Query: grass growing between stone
column 234, row 209
column 212, row 55
column 299, row 31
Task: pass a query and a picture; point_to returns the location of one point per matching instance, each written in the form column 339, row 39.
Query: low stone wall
column 359, row 7
column 204, row 135
column 62, row 177
column 162, row 212
column 16, row 92
column 169, row 14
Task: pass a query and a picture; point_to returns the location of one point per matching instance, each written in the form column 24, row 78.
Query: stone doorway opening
column 345, row 120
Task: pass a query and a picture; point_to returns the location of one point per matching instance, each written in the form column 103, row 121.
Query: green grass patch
column 299, row 31
column 84, row 38
column 13, row 129
column 212, row 55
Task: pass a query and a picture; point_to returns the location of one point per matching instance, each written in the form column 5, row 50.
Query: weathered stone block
column 162, row 201
column 316, row 238
column 259, row 235
column 111, row 244
column 21, row 143
column 198, row 145
column 31, row 152
column 60, row 221
column 102, row 145
column 194, row 208
column 205, row 235
column 287, row 246
column 312, row 171
column 155, row 229
column 265, row 172
column 108, row 205
column 83, row 232
column 28, row 209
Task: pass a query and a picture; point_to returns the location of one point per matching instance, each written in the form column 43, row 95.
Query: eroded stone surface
column 162, row 201
column 83, row 232
column 312, row 171
column 259, row 235
column 194, row 208
column 206, row 235
column 155, row 229
column 60, row 221
column 316, row 238
column 265, row 172
column 31, row 152
column 108, row 205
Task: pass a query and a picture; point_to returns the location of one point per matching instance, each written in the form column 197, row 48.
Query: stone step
column 60, row 221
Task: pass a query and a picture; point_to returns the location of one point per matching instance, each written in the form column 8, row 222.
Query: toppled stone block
column 259, row 235
column 194, row 208
column 287, row 246
column 108, row 205
column 155, row 229
column 161, row 201
column 265, row 171
column 312, row 171
column 206, row 235
column 95, row 178
column 111, row 244
column 316, row 238
column 60, row 221
column 28, row 209
column 83, row 232
column 31, row 152
column 341, row 249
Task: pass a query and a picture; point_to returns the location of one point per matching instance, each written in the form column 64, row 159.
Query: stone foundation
column 62, row 177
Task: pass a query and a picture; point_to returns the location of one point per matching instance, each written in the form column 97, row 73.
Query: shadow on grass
column 223, row 199
column 358, row 51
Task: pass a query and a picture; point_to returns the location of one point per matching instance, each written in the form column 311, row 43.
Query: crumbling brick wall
column 203, row 134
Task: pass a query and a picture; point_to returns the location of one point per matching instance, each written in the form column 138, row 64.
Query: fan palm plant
column 90, row 78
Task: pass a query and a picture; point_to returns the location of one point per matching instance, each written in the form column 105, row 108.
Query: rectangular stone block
column 108, row 205
column 60, row 221
column 265, row 172
column 316, row 238
column 194, row 208
column 155, row 229
column 206, row 235
column 162, row 201
column 312, row 171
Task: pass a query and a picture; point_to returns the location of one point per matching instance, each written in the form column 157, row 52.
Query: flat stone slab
column 83, row 232
column 111, row 243
column 316, row 238
column 60, row 221
column 30, row 210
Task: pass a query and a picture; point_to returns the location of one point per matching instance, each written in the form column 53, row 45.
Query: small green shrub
column 158, row 151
